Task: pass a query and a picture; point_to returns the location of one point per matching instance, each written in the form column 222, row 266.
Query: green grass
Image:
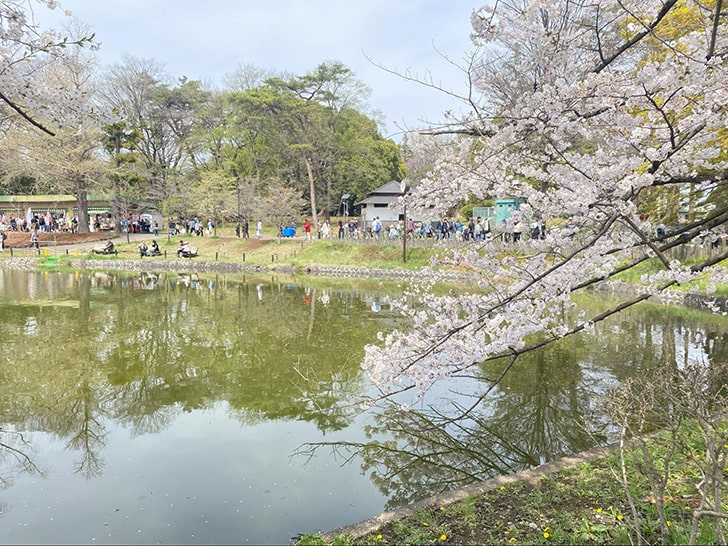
column 654, row 265
column 296, row 252
column 581, row 505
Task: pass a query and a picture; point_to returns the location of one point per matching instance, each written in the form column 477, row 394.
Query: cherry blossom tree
column 579, row 107
column 66, row 160
column 25, row 50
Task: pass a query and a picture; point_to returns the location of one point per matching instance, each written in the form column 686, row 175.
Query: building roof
column 386, row 194
column 377, row 200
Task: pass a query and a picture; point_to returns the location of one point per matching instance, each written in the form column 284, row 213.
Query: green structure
column 504, row 207
column 485, row 212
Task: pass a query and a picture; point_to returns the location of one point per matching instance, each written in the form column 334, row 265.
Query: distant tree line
column 269, row 146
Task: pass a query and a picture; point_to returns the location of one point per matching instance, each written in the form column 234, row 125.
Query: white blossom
column 580, row 125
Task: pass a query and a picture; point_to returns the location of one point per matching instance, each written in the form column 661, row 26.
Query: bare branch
column 666, row 7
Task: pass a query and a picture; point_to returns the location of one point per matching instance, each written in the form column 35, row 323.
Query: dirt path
column 21, row 239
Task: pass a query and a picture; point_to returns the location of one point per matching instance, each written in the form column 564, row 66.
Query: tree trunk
column 312, row 187
column 327, row 212
column 116, row 212
column 82, row 204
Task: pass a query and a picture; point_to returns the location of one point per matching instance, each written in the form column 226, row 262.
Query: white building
column 378, row 202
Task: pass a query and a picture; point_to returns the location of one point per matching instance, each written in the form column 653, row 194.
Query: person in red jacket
column 307, row 229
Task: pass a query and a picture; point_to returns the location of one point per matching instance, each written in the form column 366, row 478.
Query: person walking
column 259, row 229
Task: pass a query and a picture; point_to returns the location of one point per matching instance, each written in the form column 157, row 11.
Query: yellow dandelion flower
column 620, row 517
column 425, row 524
column 546, row 534
column 502, row 487
column 442, row 508
column 443, row 537
column 599, row 510
column 379, row 537
column 512, row 540
column 668, row 523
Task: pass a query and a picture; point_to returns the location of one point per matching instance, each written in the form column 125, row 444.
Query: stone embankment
column 196, row 266
column 613, row 288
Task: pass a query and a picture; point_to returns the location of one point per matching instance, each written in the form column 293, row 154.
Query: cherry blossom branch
column 680, row 237
column 24, row 115
column 606, row 61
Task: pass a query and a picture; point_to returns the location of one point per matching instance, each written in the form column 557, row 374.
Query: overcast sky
column 207, row 39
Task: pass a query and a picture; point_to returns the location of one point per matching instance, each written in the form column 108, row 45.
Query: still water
column 182, row 409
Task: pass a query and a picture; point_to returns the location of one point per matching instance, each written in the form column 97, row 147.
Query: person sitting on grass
column 183, row 249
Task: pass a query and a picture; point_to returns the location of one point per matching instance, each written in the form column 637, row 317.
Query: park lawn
column 582, row 504
column 296, row 252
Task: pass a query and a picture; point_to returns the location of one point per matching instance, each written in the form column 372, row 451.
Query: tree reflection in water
column 136, row 351
column 92, row 350
column 16, row 455
column 547, row 406
column 533, row 417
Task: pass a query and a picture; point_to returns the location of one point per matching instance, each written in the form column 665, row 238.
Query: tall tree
column 247, row 76
column 361, row 160
column 165, row 115
column 120, row 142
column 585, row 121
column 325, row 93
column 306, row 131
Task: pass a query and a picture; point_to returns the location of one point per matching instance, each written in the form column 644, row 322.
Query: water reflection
column 87, row 349
column 546, row 407
column 102, row 364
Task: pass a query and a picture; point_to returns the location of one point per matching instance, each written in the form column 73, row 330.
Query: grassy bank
column 265, row 252
column 298, row 252
column 583, row 504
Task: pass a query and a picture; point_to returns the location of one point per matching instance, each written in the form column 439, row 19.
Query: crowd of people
column 133, row 223
column 63, row 222
column 193, row 227
column 447, row 229
column 44, row 222
column 477, row 229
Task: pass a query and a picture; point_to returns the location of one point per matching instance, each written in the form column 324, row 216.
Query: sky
column 205, row 40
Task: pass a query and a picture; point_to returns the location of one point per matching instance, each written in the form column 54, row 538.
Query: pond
column 225, row 409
